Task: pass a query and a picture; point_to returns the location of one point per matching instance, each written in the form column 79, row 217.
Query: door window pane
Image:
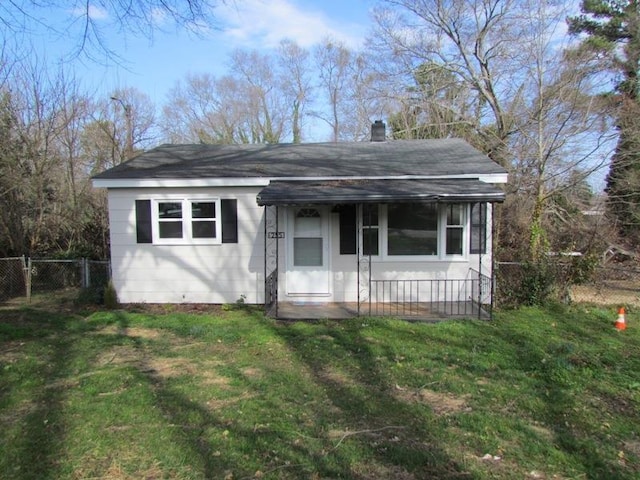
column 307, row 241
column 307, row 252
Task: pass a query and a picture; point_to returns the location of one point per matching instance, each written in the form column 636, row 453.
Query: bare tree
column 347, row 94
column 333, row 60
column 253, row 104
column 535, row 109
column 477, row 41
column 267, row 102
column 295, row 72
column 85, row 22
column 562, row 134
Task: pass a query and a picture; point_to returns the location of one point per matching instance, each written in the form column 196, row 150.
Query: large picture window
column 434, row 231
column 412, row 229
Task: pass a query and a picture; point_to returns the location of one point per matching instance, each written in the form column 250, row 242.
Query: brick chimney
column 378, row 131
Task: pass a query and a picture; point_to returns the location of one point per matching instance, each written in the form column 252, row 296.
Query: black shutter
column 348, row 230
column 478, row 228
column 229, row 209
column 143, row 221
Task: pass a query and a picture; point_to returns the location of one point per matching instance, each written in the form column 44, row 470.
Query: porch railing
column 271, row 293
column 434, row 298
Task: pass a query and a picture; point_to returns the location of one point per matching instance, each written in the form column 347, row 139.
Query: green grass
column 537, row 393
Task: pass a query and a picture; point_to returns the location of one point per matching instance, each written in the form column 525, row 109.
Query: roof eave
column 335, row 200
column 496, row 178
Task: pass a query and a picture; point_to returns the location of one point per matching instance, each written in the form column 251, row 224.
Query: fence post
column 86, row 276
column 27, row 278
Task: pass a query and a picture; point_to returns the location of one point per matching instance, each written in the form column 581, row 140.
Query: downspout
column 266, row 293
column 493, row 261
column 369, row 260
column 277, row 258
column 358, row 228
column 480, row 279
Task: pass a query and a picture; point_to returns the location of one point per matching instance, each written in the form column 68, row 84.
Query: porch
column 407, row 249
column 424, row 312
column 418, row 300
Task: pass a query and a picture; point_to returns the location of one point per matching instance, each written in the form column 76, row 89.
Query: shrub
column 110, row 296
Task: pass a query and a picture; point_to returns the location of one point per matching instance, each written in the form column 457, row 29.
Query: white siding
column 187, row 273
column 226, row 272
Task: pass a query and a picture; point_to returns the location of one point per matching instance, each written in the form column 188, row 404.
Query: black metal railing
column 434, row 298
column 271, row 292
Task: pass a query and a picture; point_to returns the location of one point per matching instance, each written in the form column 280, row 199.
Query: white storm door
column 308, row 251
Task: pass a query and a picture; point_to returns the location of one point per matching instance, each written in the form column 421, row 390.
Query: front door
column 308, row 251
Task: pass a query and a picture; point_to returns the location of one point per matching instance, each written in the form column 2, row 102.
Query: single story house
column 386, row 227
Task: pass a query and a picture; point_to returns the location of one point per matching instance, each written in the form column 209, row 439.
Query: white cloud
column 264, row 23
column 93, row 11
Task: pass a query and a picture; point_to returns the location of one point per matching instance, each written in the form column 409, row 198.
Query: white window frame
column 464, row 225
column 383, row 244
column 187, row 226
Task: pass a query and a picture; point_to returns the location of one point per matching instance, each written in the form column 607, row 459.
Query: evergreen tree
column 613, row 30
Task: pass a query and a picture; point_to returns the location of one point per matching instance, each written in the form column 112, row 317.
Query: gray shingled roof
column 363, row 159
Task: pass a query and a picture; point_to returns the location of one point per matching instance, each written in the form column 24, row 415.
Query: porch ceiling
column 323, row 192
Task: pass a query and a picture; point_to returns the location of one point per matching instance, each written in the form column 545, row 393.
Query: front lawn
column 551, row 393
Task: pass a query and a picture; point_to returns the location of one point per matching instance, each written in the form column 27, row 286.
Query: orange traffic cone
column 621, row 324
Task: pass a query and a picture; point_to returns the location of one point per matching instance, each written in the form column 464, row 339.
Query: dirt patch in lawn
column 12, row 352
column 373, row 471
column 171, row 367
column 441, row 403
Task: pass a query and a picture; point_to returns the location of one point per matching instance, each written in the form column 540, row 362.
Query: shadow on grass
column 554, row 366
column 39, row 432
column 384, row 437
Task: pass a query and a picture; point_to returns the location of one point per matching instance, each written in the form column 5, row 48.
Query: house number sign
column 275, row 234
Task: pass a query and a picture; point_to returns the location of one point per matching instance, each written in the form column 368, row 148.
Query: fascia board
column 264, row 181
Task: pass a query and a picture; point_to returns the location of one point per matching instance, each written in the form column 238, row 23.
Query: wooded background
column 548, row 92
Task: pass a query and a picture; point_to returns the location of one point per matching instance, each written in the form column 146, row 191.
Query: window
column 478, row 241
column 307, row 238
column 412, row 229
column 370, row 230
column 203, row 223
column 454, row 228
column 170, row 223
column 186, row 221
column 433, row 231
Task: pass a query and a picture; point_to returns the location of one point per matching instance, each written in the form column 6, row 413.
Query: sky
column 155, row 65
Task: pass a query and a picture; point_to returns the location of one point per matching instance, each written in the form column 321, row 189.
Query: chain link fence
column 610, row 285
column 23, row 277
column 12, row 278
column 519, row 283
